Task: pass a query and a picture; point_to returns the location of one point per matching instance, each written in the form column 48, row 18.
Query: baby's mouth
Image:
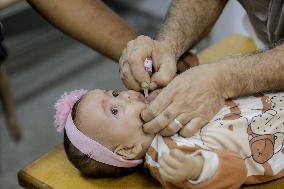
column 151, row 97
column 140, row 97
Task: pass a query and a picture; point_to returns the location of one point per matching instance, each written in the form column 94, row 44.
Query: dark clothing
column 3, row 52
column 267, row 18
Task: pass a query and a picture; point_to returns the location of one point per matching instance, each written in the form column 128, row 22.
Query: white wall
column 231, row 21
column 155, row 7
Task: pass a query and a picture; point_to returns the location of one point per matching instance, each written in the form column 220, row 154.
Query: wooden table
column 54, row 171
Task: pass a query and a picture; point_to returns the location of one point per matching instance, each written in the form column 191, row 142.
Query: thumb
column 163, row 76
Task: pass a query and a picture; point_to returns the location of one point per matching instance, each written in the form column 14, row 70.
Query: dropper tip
column 146, row 92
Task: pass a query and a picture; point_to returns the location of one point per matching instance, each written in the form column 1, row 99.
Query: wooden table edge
column 29, row 182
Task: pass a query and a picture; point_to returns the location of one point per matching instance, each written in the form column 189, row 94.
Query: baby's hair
column 87, row 165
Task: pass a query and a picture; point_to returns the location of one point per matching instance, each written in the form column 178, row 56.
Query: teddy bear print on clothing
column 229, row 127
column 242, row 126
column 246, row 107
column 266, row 131
column 252, row 119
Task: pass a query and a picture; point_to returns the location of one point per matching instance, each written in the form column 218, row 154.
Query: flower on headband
column 64, row 106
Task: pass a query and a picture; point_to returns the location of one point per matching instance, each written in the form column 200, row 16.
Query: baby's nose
column 125, row 95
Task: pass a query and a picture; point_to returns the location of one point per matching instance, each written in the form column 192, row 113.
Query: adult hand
column 192, row 99
column 131, row 63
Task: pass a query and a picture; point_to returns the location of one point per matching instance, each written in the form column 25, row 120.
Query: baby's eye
column 115, row 93
column 114, row 111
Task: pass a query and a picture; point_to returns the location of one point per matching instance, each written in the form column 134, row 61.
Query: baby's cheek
column 134, row 113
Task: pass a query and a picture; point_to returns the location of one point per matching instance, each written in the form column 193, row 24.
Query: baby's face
column 111, row 116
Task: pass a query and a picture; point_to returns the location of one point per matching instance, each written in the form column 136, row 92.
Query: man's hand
column 192, row 98
column 131, row 63
column 178, row 166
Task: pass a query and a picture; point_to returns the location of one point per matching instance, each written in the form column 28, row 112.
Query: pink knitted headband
column 88, row 146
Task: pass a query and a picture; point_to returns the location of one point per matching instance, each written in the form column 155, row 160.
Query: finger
column 161, row 120
column 157, row 106
column 165, row 175
column 138, row 71
column 171, row 171
column 125, row 53
column 171, row 129
column 128, row 79
column 170, row 161
column 130, row 45
column 125, row 72
column 178, row 155
column 143, row 50
column 152, row 95
column 192, row 127
column 122, row 58
column 121, row 65
column 164, row 75
column 153, row 86
column 174, row 127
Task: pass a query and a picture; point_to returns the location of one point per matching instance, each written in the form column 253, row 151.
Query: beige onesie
column 242, row 144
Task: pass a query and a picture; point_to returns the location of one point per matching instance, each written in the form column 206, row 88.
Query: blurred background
column 43, row 63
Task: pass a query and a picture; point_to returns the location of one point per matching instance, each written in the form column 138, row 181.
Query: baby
column 242, row 144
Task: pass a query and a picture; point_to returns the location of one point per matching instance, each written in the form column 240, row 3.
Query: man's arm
column 88, row 21
column 187, row 22
column 259, row 72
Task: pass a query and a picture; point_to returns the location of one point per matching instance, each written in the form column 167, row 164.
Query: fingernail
column 153, row 86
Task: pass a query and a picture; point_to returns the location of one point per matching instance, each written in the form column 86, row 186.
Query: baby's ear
column 128, row 152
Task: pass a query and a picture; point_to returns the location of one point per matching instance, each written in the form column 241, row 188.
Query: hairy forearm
column 187, row 22
column 254, row 73
column 88, row 21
